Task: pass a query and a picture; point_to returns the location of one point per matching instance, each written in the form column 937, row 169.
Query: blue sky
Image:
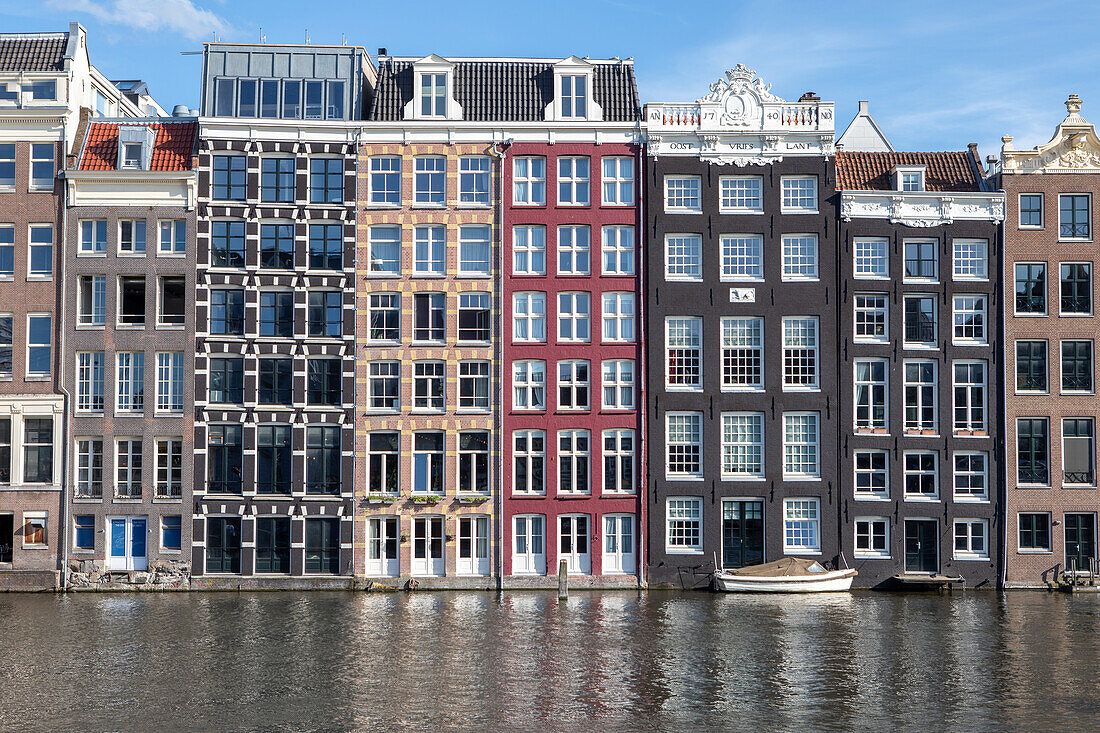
column 938, row 74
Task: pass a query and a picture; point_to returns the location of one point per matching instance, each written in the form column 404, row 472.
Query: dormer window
column 433, row 95
column 131, row 155
column 135, row 147
column 574, row 98
column 909, row 178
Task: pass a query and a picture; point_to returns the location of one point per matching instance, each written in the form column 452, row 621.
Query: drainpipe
column 498, row 419
column 59, row 244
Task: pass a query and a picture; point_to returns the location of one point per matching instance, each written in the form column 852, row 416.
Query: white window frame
column 684, row 257
column 578, row 453
column 742, row 257
column 618, row 317
column 689, row 431
column 618, row 378
column 574, row 249
column 618, row 251
column 617, row 455
column 475, row 250
column 90, row 386
column 390, row 266
column 170, row 368
column 743, row 446
column 801, row 260
column 171, row 241
column 867, row 529
column 742, row 352
column 882, row 494
column 793, row 194
column 528, row 189
column 802, row 517
column 971, row 306
column 934, row 473
column 871, row 260
column 568, row 381
column 972, row 426
column 683, row 194
column 921, row 389
column 803, row 450
column 970, row 259
column 534, row 320
column 426, row 170
column 528, row 379
column 800, row 342
column 575, row 311
column 969, row 553
column 376, row 168
column 574, row 188
column 969, row 495
column 1020, row 212
column 689, row 347
column 130, row 376
column 475, row 180
column 733, row 198
column 878, row 392
column 872, row 310
column 687, row 511
column 617, row 186
column 429, row 250
column 529, row 456
column 531, row 246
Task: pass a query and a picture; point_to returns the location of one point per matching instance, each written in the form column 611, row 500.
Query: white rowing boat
column 789, row 575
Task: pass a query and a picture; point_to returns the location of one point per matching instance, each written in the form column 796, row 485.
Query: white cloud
column 175, row 16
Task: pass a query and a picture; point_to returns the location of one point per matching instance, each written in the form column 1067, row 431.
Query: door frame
column 763, row 525
column 532, row 559
column 573, row 534
column 905, row 541
column 1065, row 538
column 604, row 555
column 472, row 566
column 383, row 562
column 129, row 561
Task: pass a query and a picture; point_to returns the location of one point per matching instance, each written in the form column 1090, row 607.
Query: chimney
column 382, row 52
column 809, row 97
column 864, row 107
column 180, row 110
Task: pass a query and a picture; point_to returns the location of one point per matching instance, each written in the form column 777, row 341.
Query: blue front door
column 127, row 544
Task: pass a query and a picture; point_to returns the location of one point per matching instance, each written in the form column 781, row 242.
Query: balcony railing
column 1077, row 477
column 1030, row 303
column 1074, row 231
column 1076, row 304
column 1077, row 381
column 1035, row 474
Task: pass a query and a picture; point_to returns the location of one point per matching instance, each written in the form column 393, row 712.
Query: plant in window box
column 450, row 537
column 378, row 498
column 404, row 537
column 426, row 499
column 472, row 499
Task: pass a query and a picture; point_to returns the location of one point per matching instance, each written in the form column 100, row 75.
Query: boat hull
column 831, row 582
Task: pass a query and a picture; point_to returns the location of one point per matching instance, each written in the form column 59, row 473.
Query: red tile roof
column 859, row 171
column 172, row 149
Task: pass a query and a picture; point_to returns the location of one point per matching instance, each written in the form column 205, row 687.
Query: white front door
column 382, row 543
column 428, row 546
column 618, row 544
column 473, row 546
column 529, row 545
column 573, row 543
column 126, row 549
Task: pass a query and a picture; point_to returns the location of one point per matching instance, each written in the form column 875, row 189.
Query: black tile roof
column 507, row 91
column 33, row 54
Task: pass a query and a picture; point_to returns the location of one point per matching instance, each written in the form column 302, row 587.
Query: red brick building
column 1050, row 339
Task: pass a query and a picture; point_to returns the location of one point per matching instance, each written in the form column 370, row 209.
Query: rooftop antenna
column 263, row 38
column 307, row 36
column 343, row 39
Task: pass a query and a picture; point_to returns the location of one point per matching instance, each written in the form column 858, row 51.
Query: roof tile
column 172, row 148
column 864, row 171
column 33, row 54
column 507, row 91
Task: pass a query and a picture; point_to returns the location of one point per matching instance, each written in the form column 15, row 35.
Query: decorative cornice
column 922, row 209
column 1074, row 148
column 741, row 122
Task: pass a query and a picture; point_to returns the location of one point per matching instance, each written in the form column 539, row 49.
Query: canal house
column 920, row 363
column 741, row 327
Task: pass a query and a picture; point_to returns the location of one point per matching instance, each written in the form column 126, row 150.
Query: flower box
column 472, row 500
column 381, row 498
column 426, row 499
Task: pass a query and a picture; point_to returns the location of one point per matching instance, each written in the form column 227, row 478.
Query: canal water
column 599, row 661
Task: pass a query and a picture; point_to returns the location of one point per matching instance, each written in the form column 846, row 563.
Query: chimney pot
column 864, row 107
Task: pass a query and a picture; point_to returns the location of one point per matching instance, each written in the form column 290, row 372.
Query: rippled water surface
column 975, row 661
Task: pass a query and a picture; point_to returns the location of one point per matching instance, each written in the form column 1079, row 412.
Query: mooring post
column 563, row 580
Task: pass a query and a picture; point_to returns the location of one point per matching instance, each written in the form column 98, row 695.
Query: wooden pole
column 563, row 580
